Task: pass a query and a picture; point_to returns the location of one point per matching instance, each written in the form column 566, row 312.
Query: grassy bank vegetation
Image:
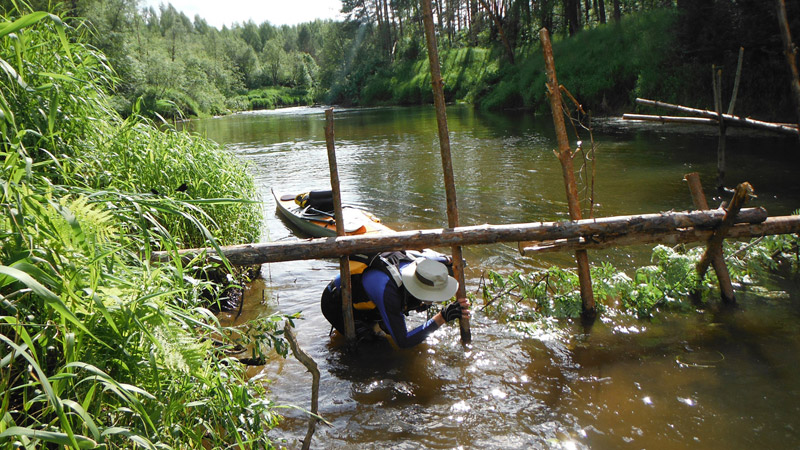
column 529, row 301
column 100, row 348
column 606, row 68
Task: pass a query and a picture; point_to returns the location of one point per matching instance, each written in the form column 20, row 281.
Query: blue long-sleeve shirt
column 388, row 298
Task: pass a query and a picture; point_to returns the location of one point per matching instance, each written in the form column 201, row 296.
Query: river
column 707, row 379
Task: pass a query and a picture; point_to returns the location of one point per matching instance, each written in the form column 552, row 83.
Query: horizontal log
column 772, row 226
column 332, row 247
column 670, row 119
column 728, row 118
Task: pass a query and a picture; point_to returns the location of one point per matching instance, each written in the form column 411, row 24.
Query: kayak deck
column 321, row 224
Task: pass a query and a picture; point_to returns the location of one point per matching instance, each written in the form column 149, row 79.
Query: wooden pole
column 564, row 155
column 736, row 81
column 715, row 242
column 722, row 130
column 670, row 119
column 344, row 261
column 717, row 259
column 771, row 226
column 790, row 51
column 447, row 163
column 334, row 247
column 732, row 120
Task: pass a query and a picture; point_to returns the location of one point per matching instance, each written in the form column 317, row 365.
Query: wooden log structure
column 670, row 119
column 344, row 262
column 789, row 129
column 334, row 247
column 717, row 258
column 715, row 242
column 771, row 226
column 564, row 155
column 437, row 85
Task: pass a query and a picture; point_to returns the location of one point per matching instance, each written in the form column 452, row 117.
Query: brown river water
column 715, row 378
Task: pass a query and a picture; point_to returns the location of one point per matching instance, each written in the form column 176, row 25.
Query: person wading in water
column 387, row 286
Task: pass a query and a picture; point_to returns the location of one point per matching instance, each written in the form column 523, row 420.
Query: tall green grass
column 98, row 347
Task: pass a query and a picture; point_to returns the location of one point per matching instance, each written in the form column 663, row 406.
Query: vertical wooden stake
column 791, row 55
column 736, row 81
column 717, row 259
column 722, row 129
column 564, row 155
column 447, row 163
column 344, row 261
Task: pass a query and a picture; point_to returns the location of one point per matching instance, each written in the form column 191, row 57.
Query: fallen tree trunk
column 772, row 226
column 729, row 119
column 333, row 247
column 670, row 119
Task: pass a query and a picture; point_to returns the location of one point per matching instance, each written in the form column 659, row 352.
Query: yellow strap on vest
column 364, row 305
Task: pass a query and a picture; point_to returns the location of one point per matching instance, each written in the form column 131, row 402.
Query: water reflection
column 706, row 380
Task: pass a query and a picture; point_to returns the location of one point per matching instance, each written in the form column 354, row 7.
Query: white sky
column 276, row 12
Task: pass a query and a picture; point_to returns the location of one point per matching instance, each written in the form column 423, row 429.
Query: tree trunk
column 586, row 8
column 617, row 11
column 601, row 10
column 506, row 44
column 790, row 51
column 572, row 15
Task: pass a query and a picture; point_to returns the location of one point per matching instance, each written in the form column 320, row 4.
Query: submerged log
column 771, row 226
column 334, row 247
column 728, row 118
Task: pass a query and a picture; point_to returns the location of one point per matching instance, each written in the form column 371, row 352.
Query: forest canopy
column 612, row 51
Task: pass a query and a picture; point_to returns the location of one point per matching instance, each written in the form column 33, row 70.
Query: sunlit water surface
column 704, row 380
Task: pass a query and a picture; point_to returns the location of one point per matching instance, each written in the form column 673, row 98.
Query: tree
column 572, row 15
column 273, row 56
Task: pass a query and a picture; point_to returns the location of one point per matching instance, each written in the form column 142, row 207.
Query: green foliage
column 100, row 348
column 605, row 67
column 275, row 97
column 670, row 284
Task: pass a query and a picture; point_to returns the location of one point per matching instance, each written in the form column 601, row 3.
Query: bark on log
column 447, row 162
column 564, row 155
column 730, row 119
column 772, row 226
column 334, row 247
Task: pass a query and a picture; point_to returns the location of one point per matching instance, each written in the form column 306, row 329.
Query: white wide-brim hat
column 429, row 280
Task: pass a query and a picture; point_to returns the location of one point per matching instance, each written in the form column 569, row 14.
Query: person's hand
column 457, row 310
